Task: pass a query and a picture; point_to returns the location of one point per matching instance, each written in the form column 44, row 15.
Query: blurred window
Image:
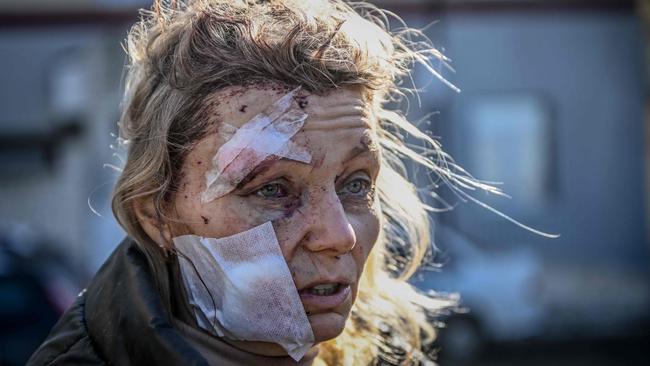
column 510, row 142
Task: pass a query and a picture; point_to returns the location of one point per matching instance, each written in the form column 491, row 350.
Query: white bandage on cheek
column 240, row 288
column 268, row 133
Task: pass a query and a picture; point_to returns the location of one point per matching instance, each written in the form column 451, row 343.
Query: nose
column 330, row 230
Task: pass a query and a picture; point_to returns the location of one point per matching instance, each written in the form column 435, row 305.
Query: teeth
column 324, row 290
column 326, row 286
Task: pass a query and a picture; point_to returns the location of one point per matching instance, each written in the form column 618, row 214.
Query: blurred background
column 553, row 104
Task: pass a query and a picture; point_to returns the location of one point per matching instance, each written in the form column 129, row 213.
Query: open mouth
column 325, row 296
column 326, row 289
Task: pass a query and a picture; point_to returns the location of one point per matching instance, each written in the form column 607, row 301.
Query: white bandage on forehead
column 268, row 133
column 240, row 288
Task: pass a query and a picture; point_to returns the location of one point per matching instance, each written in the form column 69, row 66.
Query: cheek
column 366, row 228
column 225, row 216
column 290, row 222
column 221, row 217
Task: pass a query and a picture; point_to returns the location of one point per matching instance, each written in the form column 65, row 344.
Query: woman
column 256, row 131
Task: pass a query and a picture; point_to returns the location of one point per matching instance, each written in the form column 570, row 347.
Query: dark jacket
column 119, row 319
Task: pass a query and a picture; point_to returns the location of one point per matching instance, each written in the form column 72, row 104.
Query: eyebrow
column 271, row 160
column 259, row 169
column 356, row 151
column 263, row 167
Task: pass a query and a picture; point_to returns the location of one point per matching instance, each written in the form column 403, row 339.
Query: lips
column 324, row 295
column 324, row 281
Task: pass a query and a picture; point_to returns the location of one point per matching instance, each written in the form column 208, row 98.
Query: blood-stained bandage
column 240, row 288
column 267, row 134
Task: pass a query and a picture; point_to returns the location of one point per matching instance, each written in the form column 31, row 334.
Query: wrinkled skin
column 324, row 213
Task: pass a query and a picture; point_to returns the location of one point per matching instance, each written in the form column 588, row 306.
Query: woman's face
column 325, row 213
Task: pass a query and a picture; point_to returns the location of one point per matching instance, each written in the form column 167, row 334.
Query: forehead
column 341, row 108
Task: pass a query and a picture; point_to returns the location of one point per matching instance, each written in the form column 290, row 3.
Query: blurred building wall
column 60, row 96
column 584, row 72
column 551, row 105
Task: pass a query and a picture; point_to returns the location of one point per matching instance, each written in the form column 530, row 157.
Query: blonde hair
column 181, row 51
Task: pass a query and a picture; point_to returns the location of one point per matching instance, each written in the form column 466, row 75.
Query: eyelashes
column 357, row 185
column 272, row 190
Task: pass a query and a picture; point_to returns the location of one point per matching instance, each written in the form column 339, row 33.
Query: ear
column 152, row 222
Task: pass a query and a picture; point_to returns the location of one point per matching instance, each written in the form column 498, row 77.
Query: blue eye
column 357, row 186
column 272, row 190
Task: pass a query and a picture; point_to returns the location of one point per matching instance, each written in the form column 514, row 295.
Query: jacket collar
column 126, row 318
column 130, row 325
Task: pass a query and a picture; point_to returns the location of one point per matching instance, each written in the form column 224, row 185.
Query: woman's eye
column 357, row 186
column 272, row 190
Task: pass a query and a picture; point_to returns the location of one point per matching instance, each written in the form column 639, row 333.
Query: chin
column 327, row 326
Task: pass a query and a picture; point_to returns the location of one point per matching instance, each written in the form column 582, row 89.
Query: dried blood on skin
column 302, row 101
column 243, row 108
column 318, row 161
column 209, row 113
column 366, row 141
column 205, row 219
column 291, row 207
column 235, row 163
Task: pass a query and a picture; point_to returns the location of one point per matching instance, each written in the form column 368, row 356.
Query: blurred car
column 510, row 294
column 499, row 292
column 36, row 287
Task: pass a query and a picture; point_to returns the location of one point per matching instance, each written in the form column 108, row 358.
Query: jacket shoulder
column 68, row 343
